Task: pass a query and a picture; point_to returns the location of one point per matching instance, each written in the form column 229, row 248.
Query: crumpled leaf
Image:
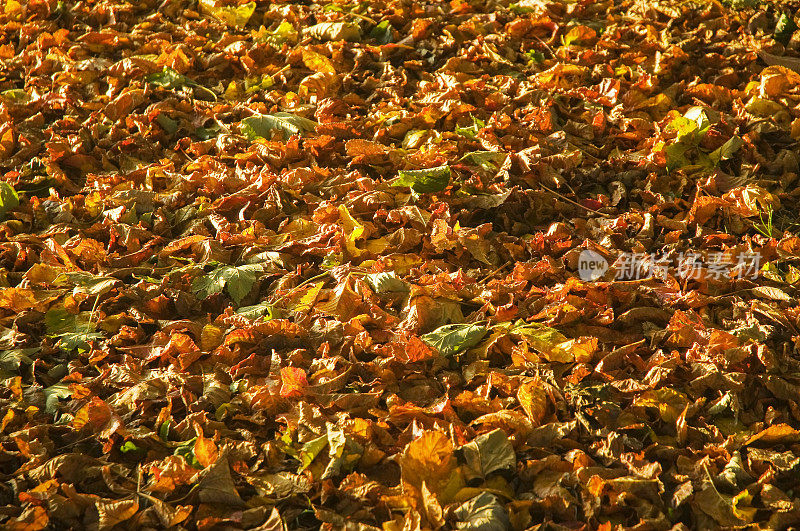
column 482, row 513
column 261, row 126
column 724, row 509
column 216, row 484
column 488, row 453
column 335, row 31
column 9, row 199
column 236, row 16
column 424, row 181
column 454, row 338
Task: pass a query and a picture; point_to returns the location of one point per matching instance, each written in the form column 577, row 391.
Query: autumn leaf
column 454, row 338
column 288, row 124
column 232, row 15
column 422, row 181
column 293, row 382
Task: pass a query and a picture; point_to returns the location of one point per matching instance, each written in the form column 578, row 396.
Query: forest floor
column 399, row 265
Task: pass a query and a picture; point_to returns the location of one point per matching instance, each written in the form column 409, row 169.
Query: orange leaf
column 293, row 382
column 204, row 449
column 32, row 519
column 418, row 350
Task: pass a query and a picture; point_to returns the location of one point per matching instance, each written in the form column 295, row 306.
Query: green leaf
column 488, row 160
column 335, row 31
column 726, row 150
column 52, row 394
column 169, row 79
column 699, row 116
column 205, row 133
column 683, row 126
column 489, row 453
column 238, row 280
column 285, row 32
column 453, row 338
column 59, row 321
column 128, row 447
column 261, row 126
column 9, row 199
column 10, row 360
column 210, row 284
column 541, row 337
column 237, row 16
column 676, row 156
column 15, row 95
column 482, row 513
column 725, row 509
column 255, row 84
column 163, row 430
column 87, row 283
column 169, row 125
column 518, row 9
column 427, row 180
column 472, row 130
column 343, row 451
column 263, row 309
column 386, row 282
column 536, row 57
column 310, row 450
column 186, row 450
column 784, row 29
column 77, row 340
column 382, row 32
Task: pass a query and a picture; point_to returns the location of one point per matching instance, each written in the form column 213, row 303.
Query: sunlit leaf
column 335, row 31
column 288, row 124
column 422, row 181
column 454, row 338
column 382, row 32
column 236, row 16
column 9, row 199
column 488, row 453
column 482, row 513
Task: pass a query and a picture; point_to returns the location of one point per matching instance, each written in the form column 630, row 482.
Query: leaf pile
column 271, row 265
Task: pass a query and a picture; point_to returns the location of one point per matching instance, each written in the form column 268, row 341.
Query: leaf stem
column 304, row 283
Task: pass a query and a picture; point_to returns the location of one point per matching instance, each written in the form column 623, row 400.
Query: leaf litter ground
column 269, row 265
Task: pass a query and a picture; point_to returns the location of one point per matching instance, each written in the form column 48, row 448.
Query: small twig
column 363, row 17
column 567, row 199
column 547, row 46
column 493, row 273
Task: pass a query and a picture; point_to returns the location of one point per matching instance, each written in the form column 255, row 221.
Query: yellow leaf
column 376, row 246
column 429, row 458
column 42, row 274
column 670, row 403
column 581, row 349
column 211, row 337
column 7, row 418
column 353, row 230
column 233, row 92
column 580, row 35
column 777, row 433
column 232, row 16
column 533, row 399
column 305, row 301
column 317, row 62
column 112, row 513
